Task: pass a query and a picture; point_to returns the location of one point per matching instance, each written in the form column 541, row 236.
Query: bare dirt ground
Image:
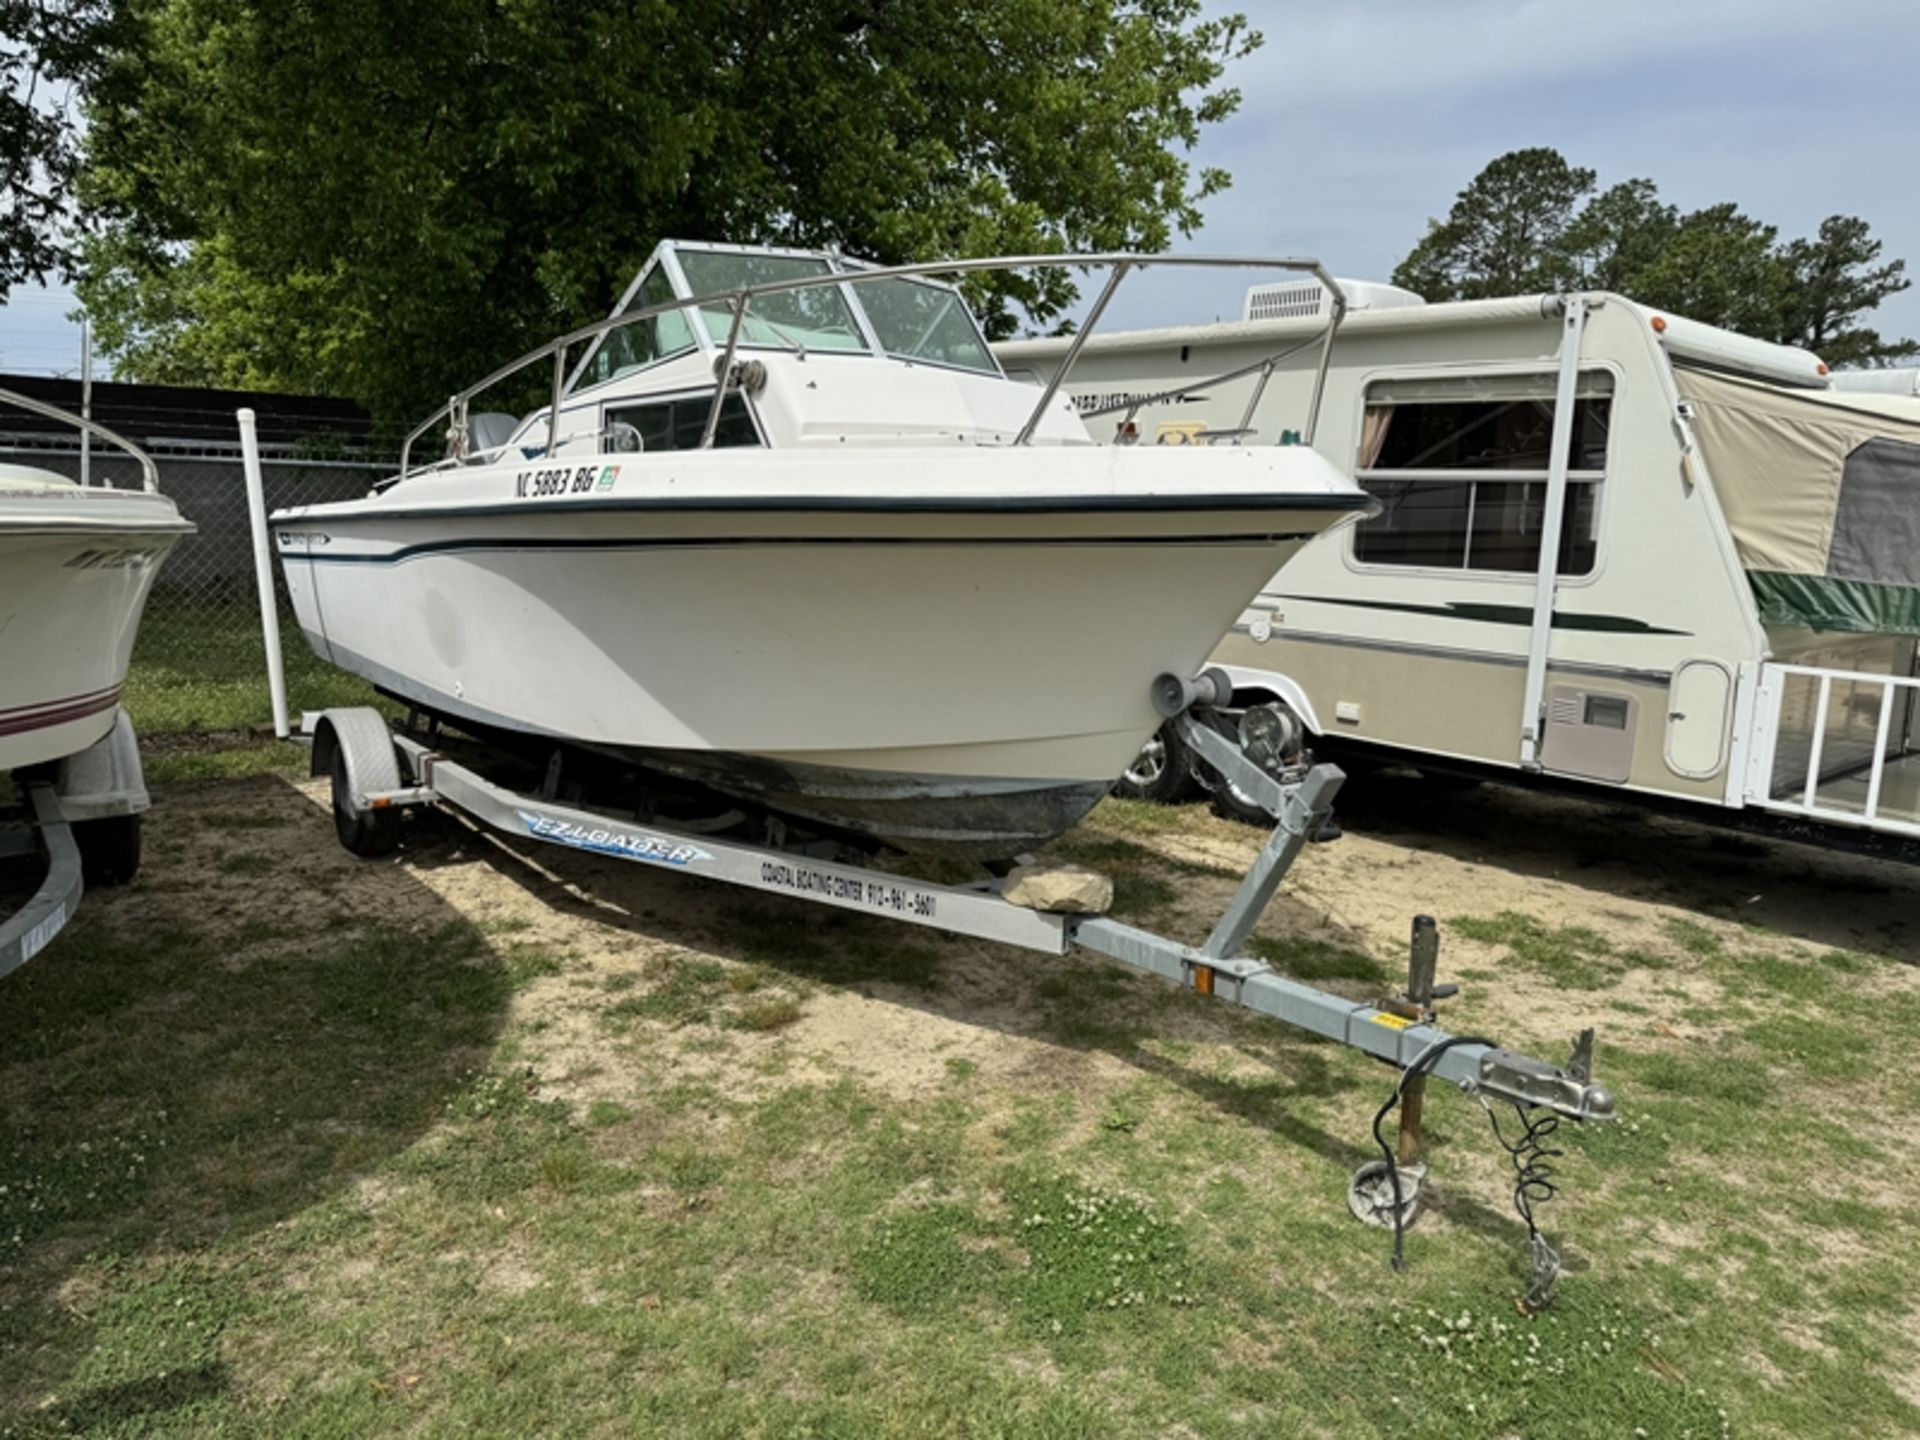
column 1569, row 865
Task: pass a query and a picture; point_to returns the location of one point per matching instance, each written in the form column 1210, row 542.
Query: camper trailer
column 1616, row 550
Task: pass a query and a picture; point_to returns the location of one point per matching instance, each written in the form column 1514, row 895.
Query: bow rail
column 149, row 472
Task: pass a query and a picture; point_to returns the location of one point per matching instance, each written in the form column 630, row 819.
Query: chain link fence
column 199, row 664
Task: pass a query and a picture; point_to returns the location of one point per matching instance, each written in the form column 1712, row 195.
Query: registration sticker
column 607, row 476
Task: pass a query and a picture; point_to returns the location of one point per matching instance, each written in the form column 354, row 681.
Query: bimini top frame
column 149, row 472
column 840, row 274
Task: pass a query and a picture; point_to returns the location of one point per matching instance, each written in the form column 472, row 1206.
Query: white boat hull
column 75, row 571
column 961, row 680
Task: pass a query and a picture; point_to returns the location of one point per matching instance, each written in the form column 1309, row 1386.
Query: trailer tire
column 1162, row 773
column 109, row 849
column 366, row 833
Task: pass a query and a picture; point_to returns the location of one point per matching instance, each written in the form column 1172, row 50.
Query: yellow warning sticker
column 1392, row 1022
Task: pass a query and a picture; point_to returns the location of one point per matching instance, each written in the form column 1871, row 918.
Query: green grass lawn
column 425, row 1148
column 203, row 668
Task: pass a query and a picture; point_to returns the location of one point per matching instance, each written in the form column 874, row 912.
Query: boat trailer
column 104, row 785
column 378, row 772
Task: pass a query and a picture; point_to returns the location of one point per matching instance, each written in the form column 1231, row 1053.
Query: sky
column 1361, row 119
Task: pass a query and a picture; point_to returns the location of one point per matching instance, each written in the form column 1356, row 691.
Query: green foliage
column 47, row 51
column 381, row 201
column 1531, row 222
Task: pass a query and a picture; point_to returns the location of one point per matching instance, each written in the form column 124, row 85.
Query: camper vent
column 1307, row 300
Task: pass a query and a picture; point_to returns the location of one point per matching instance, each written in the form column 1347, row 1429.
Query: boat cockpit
column 722, row 346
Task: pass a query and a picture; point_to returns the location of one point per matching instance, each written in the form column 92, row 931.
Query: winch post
column 1423, row 959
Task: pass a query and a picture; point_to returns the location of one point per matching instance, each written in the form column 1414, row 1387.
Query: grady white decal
column 123, row 558
column 627, row 844
column 563, row 480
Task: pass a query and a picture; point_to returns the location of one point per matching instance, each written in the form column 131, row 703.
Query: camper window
column 1460, row 468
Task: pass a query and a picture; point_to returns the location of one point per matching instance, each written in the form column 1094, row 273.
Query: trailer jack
column 376, row 773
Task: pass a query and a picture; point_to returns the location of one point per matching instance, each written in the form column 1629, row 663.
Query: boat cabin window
column 818, row 319
column 1460, row 468
column 644, row 341
column 916, row 321
column 678, row 424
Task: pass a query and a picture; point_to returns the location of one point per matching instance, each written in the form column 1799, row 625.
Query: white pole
column 86, row 400
column 263, row 571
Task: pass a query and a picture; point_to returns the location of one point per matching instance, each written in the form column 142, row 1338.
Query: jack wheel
column 1370, row 1196
column 1161, row 773
column 109, row 849
column 366, row 833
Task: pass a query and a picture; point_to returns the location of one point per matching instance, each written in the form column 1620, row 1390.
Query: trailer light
column 1821, row 368
column 1659, row 323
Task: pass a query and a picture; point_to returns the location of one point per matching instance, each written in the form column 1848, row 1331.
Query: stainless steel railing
column 736, row 302
column 149, row 472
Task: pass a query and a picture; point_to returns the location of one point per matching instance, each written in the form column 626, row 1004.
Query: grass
column 313, row 1174
column 203, row 669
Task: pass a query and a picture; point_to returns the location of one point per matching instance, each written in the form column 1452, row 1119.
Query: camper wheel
column 1162, row 773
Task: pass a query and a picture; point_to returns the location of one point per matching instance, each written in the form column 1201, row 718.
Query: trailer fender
column 361, row 734
column 105, row 779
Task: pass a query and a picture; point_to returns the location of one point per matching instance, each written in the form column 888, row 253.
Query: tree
column 47, row 51
column 1531, row 222
column 381, row 200
column 1833, row 283
column 1506, row 232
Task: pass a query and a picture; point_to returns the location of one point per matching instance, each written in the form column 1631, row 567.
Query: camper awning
column 1823, row 497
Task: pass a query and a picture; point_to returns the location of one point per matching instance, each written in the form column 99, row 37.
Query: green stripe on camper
column 1855, row 606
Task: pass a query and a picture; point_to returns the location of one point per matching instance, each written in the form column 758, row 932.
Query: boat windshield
column 918, row 321
column 644, row 341
column 817, row 319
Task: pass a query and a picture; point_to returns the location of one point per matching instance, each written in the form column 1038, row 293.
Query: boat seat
column 489, row 430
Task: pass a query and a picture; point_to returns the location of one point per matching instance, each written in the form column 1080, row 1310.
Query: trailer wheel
column 109, row 849
column 1161, row 773
column 366, row 833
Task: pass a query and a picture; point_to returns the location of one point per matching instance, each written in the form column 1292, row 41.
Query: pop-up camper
column 1731, row 621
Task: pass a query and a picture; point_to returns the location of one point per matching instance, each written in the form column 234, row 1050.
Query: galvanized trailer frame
column 29, row 930
column 102, row 783
column 378, row 772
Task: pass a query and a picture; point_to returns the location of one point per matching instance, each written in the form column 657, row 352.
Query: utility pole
column 86, row 399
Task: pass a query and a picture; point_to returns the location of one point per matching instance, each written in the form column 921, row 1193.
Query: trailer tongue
column 376, row 773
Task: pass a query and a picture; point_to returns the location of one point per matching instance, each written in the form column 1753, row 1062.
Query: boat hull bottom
column 954, row 817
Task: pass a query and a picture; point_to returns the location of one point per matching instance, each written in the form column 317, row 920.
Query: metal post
column 263, row 570
column 1326, row 358
column 1253, row 401
column 1819, row 741
column 1547, row 576
column 1423, row 959
column 86, row 399
column 1073, row 353
column 725, row 377
column 553, row 414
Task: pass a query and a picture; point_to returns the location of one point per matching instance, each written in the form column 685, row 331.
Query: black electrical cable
column 1422, row 1064
column 1533, row 1175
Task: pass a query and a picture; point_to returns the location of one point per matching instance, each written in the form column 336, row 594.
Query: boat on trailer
column 906, row 601
column 77, row 562
column 784, row 528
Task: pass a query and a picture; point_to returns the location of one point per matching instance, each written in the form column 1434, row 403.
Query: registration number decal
column 564, row 480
